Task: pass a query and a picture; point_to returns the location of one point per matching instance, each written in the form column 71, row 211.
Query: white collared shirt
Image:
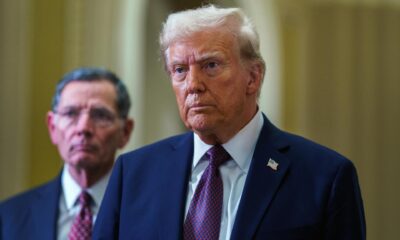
column 69, row 206
column 233, row 173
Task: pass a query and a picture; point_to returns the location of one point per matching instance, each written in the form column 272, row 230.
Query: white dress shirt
column 69, row 205
column 233, row 173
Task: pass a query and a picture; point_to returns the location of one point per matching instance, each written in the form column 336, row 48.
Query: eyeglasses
column 100, row 117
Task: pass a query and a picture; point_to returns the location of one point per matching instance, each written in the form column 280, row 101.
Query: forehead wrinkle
column 208, row 55
column 86, row 105
column 85, row 94
column 196, row 57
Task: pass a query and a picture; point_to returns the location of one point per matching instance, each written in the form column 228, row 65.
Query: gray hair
column 89, row 74
column 182, row 24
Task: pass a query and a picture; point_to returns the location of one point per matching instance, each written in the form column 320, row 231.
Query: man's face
column 216, row 92
column 86, row 127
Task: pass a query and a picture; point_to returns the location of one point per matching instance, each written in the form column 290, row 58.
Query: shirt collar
column 240, row 147
column 72, row 190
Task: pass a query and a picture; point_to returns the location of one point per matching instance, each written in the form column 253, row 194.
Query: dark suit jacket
column 32, row 214
column 314, row 193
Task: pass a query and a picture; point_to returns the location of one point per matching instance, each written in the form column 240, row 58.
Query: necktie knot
column 217, row 155
column 84, row 198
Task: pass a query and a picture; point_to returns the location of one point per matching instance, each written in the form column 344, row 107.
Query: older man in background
column 234, row 175
column 88, row 123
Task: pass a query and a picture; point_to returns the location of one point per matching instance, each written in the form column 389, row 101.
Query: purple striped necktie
column 203, row 220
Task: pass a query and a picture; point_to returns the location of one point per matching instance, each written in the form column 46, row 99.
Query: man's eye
column 101, row 115
column 72, row 113
column 211, row 65
column 179, row 69
column 212, row 68
column 178, row 72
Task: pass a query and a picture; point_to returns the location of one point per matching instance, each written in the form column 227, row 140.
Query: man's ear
column 127, row 129
column 256, row 74
column 51, row 127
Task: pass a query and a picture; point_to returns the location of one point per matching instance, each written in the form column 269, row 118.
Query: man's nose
column 85, row 123
column 195, row 80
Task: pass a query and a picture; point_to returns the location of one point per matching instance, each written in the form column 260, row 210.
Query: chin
column 202, row 129
column 200, row 121
column 83, row 161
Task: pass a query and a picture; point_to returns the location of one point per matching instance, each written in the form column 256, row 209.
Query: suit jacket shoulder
column 311, row 192
column 31, row 214
column 153, row 158
column 156, row 148
column 147, row 188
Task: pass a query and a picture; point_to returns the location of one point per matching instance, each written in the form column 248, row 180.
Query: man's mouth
column 200, row 105
column 83, row 147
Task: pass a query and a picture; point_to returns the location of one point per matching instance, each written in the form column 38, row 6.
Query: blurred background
column 333, row 75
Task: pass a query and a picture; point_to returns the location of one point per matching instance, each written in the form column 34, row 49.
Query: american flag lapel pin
column 272, row 164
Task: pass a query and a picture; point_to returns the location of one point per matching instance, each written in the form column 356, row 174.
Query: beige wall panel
column 14, row 95
column 46, row 69
column 350, row 54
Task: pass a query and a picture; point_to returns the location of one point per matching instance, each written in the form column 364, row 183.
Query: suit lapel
column 261, row 184
column 45, row 211
column 174, row 191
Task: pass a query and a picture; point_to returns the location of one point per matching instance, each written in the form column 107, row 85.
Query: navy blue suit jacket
column 32, row 214
column 314, row 193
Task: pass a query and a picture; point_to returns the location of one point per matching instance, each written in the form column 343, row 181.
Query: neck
column 221, row 136
column 86, row 177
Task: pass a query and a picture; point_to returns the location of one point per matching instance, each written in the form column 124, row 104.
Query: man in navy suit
column 88, row 123
column 275, row 185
